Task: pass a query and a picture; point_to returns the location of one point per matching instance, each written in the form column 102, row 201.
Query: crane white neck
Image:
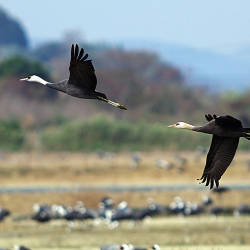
column 38, row 79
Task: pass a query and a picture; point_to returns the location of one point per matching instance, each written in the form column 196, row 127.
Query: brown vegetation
column 88, row 169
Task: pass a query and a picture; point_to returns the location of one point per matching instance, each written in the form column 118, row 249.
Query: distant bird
column 4, row 213
column 108, row 202
column 136, row 159
column 82, row 80
column 206, row 200
column 131, row 247
column 16, row 247
column 226, row 131
column 242, row 209
column 156, row 247
column 221, row 190
column 200, row 151
column 42, row 217
column 110, row 247
column 163, row 164
column 181, row 160
column 217, row 211
column 126, row 247
column 41, row 213
column 180, row 163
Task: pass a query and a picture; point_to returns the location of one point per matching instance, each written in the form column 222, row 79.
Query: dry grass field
column 88, row 169
column 66, row 169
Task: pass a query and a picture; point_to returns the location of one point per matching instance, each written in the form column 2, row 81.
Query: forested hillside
column 11, row 32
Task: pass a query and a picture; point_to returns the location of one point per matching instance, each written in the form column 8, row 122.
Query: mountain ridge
column 213, row 69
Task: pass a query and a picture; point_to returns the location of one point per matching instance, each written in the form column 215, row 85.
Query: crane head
column 182, row 125
column 34, row 78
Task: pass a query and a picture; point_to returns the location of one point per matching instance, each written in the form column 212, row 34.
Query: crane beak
column 172, row 126
column 24, row 79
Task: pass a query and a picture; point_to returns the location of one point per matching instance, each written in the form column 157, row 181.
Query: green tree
column 20, row 66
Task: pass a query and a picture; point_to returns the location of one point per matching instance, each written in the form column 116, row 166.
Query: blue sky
column 218, row 25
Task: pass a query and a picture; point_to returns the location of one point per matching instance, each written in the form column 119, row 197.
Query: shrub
column 11, row 135
column 107, row 134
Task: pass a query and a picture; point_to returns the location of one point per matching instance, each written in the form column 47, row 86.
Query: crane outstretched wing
column 220, row 155
column 228, row 122
column 82, row 72
column 225, row 121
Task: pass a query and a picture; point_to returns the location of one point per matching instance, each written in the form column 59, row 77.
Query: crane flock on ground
column 111, row 216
